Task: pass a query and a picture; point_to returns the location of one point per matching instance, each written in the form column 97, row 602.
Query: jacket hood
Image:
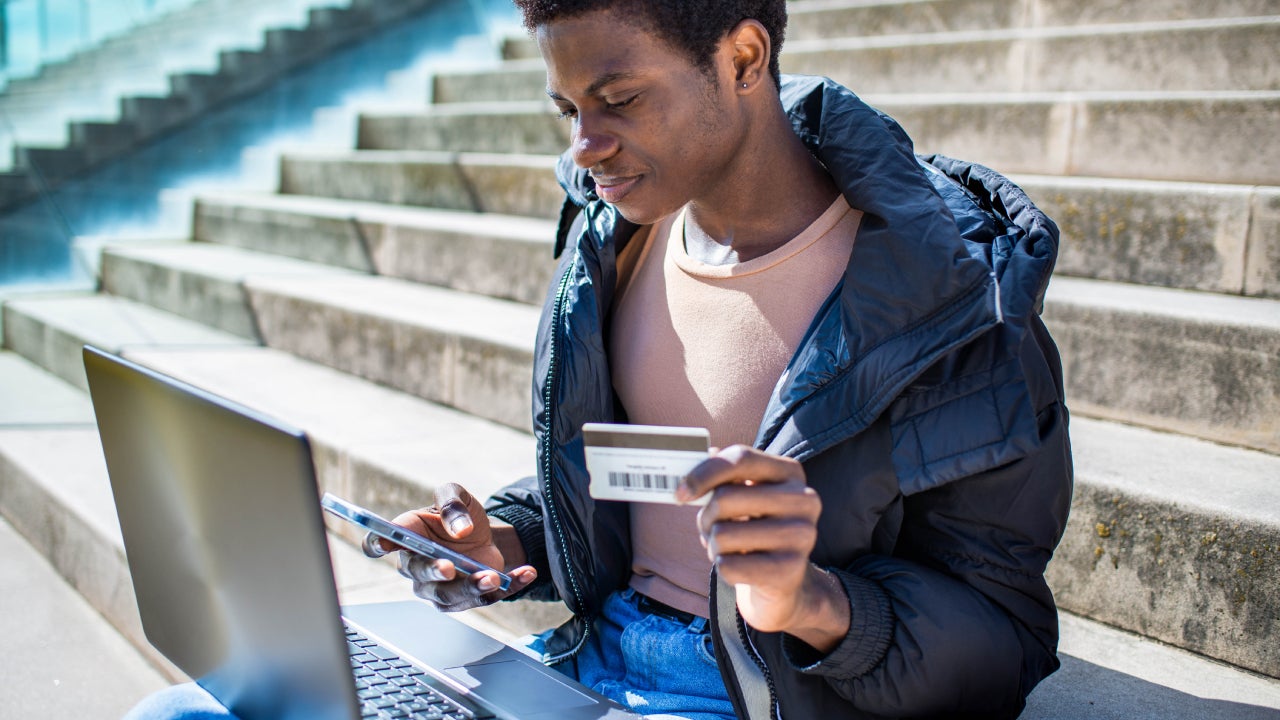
column 947, row 251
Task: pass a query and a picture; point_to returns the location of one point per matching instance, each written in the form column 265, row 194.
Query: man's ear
column 749, row 46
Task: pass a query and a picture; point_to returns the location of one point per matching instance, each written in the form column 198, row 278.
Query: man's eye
column 566, row 113
column 621, row 103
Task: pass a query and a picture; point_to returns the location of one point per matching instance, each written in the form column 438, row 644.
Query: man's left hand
column 759, row 529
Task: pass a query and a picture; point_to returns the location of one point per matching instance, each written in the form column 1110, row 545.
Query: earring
column 744, row 85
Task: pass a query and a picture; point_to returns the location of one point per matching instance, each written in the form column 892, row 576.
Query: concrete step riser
column 1196, row 378
column 1208, row 577
column 1235, row 58
column 1209, row 58
column 452, row 184
column 492, row 265
column 1055, row 136
column 94, row 565
column 477, row 376
column 535, row 133
column 1114, row 139
column 51, row 332
column 45, row 345
column 817, row 20
column 341, row 243
column 1206, row 583
column 521, row 83
column 1222, row 239
column 206, row 299
column 1213, row 238
column 1199, row 578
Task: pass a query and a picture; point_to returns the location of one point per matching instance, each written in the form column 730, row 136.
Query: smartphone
column 406, row 538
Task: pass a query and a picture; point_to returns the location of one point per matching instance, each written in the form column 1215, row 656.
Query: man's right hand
column 458, row 521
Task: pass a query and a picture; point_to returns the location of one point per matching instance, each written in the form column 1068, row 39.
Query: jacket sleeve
column 958, row 619
column 520, row 505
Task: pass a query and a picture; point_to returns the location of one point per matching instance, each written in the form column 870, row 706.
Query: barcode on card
column 644, row 481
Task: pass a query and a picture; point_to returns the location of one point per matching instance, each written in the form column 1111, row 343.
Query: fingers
column 738, row 464
column 451, row 518
column 790, row 499
column 456, row 507
column 789, row 536
column 439, row 583
column 764, row 571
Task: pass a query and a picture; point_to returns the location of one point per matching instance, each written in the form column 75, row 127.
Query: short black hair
column 694, row 26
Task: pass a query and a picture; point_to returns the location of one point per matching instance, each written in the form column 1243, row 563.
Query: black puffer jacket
column 925, row 403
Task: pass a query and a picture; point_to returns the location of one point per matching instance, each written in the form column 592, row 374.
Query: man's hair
column 692, row 26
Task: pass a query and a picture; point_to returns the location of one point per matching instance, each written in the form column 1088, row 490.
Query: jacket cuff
column 527, row 523
column 863, row 647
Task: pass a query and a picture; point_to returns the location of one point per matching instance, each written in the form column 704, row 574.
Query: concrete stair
column 385, row 449
column 110, row 100
column 385, row 301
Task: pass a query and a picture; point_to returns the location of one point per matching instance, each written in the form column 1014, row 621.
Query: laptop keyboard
column 391, row 688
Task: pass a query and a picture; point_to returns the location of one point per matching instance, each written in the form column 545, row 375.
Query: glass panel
column 50, row 238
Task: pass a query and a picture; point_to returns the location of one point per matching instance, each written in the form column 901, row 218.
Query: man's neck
column 771, row 193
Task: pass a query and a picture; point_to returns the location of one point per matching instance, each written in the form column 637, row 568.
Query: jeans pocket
column 706, row 650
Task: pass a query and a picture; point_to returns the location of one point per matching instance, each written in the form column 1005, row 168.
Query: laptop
column 220, row 513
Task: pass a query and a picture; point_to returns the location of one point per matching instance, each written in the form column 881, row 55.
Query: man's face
column 651, row 127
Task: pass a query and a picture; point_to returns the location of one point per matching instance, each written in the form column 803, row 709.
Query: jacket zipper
column 775, row 713
column 775, row 710
column 548, row 401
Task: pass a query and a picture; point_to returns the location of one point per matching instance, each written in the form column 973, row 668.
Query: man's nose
column 591, row 143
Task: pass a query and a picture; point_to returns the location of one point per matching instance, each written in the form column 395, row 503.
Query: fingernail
column 488, row 582
column 459, row 524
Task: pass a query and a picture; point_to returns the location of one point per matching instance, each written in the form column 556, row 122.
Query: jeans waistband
column 661, row 609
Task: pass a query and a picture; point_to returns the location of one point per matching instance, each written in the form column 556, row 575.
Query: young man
column 858, row 328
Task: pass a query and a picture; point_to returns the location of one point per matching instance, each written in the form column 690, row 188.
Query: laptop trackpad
column 518, row 688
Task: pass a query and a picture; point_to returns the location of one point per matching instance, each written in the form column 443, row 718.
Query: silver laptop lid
column 219, row 510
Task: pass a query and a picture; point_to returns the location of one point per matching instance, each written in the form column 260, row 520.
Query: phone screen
column 406, row 538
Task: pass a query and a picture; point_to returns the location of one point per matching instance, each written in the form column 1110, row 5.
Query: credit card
column 642, row 463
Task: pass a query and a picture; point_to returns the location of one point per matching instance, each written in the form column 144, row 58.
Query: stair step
column 1195, row 363
column 486, row 254
column 527, row 128
column 1195, row 236
column 1169, row 56
column 815, row 19
column 50, row 331
column 386, row 450
column 1189, row 55
column 1200, row 54
column 1174, row 538
column 147, row 101
column 1109, row 674
column 198, row 281
column 36, row 398
column 483, row 183
column 377, row 446
column 1117, row 135
column 72, row 663
column 466, row 351
column 1122, row 135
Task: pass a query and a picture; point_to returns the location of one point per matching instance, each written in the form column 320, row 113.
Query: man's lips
column 612, row 189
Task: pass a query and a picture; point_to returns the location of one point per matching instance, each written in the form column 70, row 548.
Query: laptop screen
column 218, row 507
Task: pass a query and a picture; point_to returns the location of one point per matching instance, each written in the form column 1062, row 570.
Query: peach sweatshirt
column 700, row 345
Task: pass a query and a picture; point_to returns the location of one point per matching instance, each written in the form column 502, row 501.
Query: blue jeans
column 652, row 664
